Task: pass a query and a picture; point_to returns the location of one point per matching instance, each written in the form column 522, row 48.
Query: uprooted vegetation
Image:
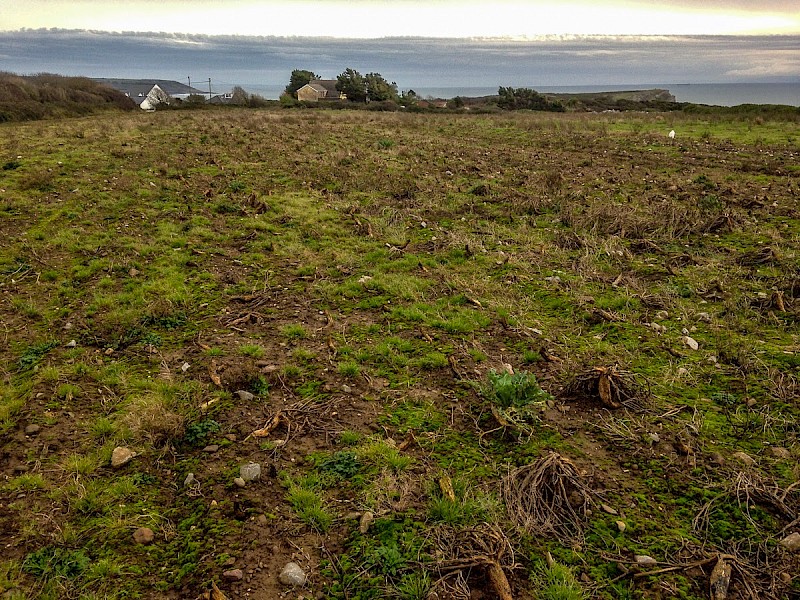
column 473, row 356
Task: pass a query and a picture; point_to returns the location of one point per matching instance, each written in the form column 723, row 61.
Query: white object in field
column 672, row 134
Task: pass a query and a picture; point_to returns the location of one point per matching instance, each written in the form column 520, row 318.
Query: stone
column 32, row 429
column 190, row 480
column 262, row 520
column 250, row 471
column 791, row 542
column 239, row 482
column 245, row 395
column 716, row 458
column 144, row 536
column 366, row 521
column 71, row 344
column 233, row 575
column 621, row 526
column 121, row 456
column 744, row 458
column 607, row 509
column 292, row 574
column 654, row 438
column 229, row 562
column 691, row 342
column 346, row 389
column 779, row 452
column 703, row 317
column 644, row 560
column 211, row 448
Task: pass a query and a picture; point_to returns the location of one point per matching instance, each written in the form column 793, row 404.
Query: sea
column 716, row 94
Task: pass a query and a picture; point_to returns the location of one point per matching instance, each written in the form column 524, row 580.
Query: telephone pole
column 209, row 88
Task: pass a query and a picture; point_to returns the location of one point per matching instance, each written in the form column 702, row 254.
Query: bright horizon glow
column 440, row 19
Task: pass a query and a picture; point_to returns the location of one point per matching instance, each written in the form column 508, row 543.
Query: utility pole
column 209, row 88
column 190, row 80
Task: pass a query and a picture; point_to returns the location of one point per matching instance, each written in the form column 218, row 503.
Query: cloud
column 412, row 62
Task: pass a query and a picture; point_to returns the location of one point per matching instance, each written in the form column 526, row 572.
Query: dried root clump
column 484, row 548
column 549, row 498
column 611, row 386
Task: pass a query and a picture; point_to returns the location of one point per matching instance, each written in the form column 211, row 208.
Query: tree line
column 372, row 87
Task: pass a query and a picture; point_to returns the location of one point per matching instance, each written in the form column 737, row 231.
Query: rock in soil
column 779, row 452
column 245, row 395
column 144, row 536
column 233, row 575
column 366, row 521
column 791, row 542
column 239, row 482
column 292, row 574
column 744, row 458
column 190, row 480
column 211, row 448
column 32, row 429
column 250, row 471
column 644, row 560
column 121, row 456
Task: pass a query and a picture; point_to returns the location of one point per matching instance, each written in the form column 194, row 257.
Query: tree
column 298, row 79
column 352, row 84
column 239, row 96
column 525, row 98
column 378, row 89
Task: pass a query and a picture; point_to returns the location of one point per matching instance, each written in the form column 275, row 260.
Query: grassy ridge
column 368, row 277
column 47, row 96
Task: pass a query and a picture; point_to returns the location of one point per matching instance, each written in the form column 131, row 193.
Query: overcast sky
column 427, row 18
column 431, row 43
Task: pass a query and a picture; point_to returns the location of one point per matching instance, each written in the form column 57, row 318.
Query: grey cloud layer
column 410, row 62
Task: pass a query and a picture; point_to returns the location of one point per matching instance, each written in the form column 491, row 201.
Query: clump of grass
column 349, row 369
column 251, row 350
column 294, row 331
column 307, row 503
column 556, row 582
column 152, row 417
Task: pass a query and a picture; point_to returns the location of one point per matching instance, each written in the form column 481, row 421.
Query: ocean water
column 718, row 94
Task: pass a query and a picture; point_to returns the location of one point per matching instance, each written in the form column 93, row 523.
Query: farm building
column 320, row 89
column 149, row 93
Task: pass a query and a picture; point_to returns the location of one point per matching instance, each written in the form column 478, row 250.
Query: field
column 474, row 356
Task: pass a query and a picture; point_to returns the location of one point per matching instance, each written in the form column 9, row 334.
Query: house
column 149, row 93
column 320, row 89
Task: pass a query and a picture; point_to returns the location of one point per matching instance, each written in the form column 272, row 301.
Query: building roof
column 137, row 89
column 326, row 87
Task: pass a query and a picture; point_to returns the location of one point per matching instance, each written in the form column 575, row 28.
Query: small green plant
column 34, row 353
column 260, row 386
column 342, row 465
column 518, row 390
column 196, row 433
column 55, row 562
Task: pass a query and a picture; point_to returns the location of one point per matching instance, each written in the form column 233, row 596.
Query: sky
column 418, row 18
column 417, row 43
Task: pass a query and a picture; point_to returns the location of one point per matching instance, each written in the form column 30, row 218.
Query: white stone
column 121, row 456
column 691, row 342
column 292, row 574
column 250, row 471
column 791, row 542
